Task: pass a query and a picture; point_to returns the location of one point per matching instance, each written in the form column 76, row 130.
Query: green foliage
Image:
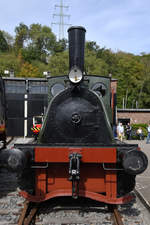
column 27, row 69
column 30, row 53
column 22, row 32
column 42, row 38
column 8, row 61
column 9, row 39
column 35, row 42
column 34, row 49
column 3, row 43
column 135, row 128
column 58, row 63
column 129, row 74
column 40, row 66
column 93, row 64
column 109, row 58
column 60, row 46
column 91, row 46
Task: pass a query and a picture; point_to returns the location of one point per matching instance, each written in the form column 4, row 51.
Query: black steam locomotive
column 76, row 153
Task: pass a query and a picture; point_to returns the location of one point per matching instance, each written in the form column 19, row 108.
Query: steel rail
column 142, row 199
column 28, row 213
column 117, row 217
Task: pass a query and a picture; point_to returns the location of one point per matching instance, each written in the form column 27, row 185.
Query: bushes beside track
column 134, row 135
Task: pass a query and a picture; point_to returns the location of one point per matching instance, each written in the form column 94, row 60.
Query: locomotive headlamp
column 75, row 75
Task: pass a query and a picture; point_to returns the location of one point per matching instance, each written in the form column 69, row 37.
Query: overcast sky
column 115, row 24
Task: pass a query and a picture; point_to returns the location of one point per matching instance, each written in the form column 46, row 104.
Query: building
column 134, row 116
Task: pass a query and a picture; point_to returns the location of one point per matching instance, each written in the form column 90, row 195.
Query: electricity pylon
column 61, row 16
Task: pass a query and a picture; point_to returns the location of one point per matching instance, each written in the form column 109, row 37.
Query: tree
column 58, row 63
column 30, row 53
column 9, row 61
column 27, row 70
column 40, row 42
column 92, row 46
column 109, row 58
column 129, row 71
column 22, row 33
column 93, row 64
column 9, row 39
column 3, row 43
column 40, row 66
column 60, row 46
column 144, row 92
column 42, row 39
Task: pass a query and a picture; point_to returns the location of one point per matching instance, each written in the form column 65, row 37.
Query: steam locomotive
column 76, row 154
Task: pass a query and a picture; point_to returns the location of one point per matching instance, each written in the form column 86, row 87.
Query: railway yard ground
column 79, row 212
column 143, row 180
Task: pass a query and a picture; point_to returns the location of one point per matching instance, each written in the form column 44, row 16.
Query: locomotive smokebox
column 76, row 37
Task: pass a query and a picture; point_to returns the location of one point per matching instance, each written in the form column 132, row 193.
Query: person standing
column 128, row 131
column 148, row 134
column 140, row 133
column 120, row 131
column 115, row 131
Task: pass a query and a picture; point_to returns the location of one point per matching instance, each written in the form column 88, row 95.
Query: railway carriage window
column 56, row 88
column 99, row 88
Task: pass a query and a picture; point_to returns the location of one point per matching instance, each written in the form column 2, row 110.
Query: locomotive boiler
column 76, row 154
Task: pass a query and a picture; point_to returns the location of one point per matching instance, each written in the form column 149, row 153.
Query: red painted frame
column 95, row 182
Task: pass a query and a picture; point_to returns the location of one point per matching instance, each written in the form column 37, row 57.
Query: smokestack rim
column 76, row 27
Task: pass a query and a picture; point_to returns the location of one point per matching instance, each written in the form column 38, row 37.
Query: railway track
column 28, row 215
column 54, row 212
column 64, row 214
column 13, row 211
